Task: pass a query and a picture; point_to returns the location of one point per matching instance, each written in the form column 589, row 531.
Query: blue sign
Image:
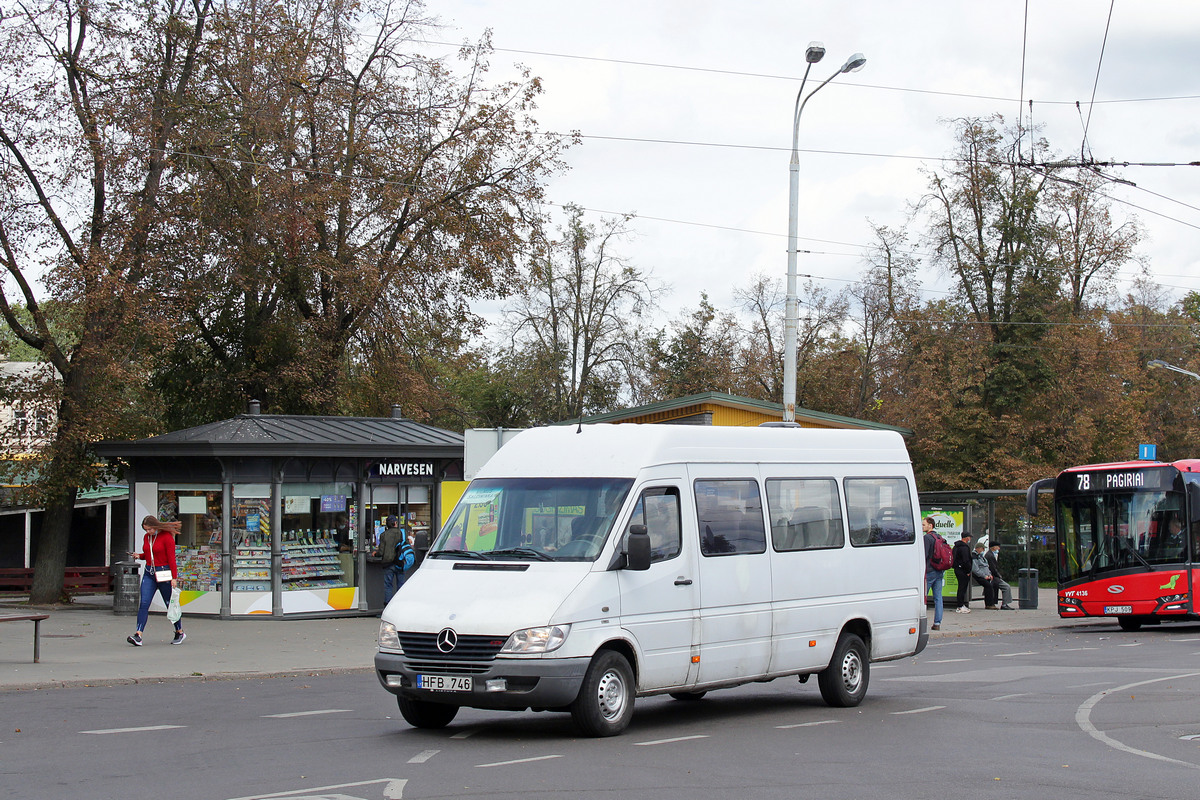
column 1147, row 452
column 333, row 502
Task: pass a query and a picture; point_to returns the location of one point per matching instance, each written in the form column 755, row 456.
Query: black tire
column 423, row 714
column 688, row 697
column 844, row 682
column 1129, row 623
column 604, row 706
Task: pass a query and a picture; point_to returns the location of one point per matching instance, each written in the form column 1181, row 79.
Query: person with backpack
column 962, row 571
column 397, row 554
column 937, row 560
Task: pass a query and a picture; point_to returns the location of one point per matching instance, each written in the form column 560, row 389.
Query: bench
column 37, row 630
column 75, row 579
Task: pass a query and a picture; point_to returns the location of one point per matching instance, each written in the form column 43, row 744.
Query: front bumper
column 527, row 683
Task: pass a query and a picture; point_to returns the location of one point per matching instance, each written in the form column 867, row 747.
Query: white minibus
column 587, row 565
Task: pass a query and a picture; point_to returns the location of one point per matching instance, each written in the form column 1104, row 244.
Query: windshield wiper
column 527, row 552
column 467, row 553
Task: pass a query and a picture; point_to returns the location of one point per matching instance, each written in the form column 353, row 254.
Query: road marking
column 670, row 741
column 1014, row 655
column 1131, row 644
column 465, row 734
column 1085, row 685
column 809, row 724
column 1084, row 713
column 393, row 789
column 948, row 661
column 919, row 710
column 137, row 730
column 307, row 713
column 1011, row 696
column 1193, row 639
column 1074, row 649
column 422, row 757
column 517, row 761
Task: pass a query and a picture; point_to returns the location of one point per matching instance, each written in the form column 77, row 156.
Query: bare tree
column 577, row 318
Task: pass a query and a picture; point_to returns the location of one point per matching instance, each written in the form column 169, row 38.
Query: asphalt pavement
column 83, row 644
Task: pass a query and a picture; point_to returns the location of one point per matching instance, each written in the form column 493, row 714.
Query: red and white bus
column 1128, row 540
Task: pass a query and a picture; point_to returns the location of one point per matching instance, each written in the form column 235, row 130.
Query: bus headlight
column 388, row 638
column 537, row 640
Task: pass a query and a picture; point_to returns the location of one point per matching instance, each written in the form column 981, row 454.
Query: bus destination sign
column 1131, row 479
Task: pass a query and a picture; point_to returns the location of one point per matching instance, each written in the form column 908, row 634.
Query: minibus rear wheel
column 423, row 714
column 605, row 702
column 844, row 682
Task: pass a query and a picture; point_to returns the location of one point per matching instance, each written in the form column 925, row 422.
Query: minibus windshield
column 533, row 519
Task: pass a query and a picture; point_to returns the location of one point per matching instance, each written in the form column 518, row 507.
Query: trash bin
column 126, row 588
column 1027, row 588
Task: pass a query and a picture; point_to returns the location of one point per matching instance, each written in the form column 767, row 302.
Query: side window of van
column 880, row 511
column 658, row 510
column 729, row 513
column 805, row 513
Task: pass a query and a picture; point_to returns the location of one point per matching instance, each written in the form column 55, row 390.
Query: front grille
column 447, row 667
column 469, row 648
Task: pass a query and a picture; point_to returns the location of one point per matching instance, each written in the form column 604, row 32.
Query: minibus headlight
column 388, row 638
column 537, row 640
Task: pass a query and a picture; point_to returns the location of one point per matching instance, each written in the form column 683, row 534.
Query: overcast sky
column 686, row 109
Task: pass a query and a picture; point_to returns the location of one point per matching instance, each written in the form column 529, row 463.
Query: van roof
column 621, row 450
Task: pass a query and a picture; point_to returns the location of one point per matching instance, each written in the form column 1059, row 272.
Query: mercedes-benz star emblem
column 447, row 640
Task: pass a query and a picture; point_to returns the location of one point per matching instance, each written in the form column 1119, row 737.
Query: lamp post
column 814, row 53
column 1160, row 364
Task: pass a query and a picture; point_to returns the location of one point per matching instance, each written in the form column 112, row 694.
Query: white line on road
column 1131, row 644
column 1074, row 649
column 423, row 756
column 1014, row 655
column 1085, row 685
column 517, row 761
column 137, row 730
column 1083, row 718
column 809, row 724
column 1011, row 696
column 919, row 710
column 307, row 713
column 948, row 661
column 466, row 734
column 670, row 741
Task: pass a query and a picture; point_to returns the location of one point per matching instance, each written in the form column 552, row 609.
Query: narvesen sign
column 403, row 469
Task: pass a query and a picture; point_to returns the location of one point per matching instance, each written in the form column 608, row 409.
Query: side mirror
column 1031, row 496
column 637, row 548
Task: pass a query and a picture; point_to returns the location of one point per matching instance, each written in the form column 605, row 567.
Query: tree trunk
column 51, row 562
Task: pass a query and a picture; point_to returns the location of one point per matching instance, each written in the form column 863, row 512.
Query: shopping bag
column 174, row 612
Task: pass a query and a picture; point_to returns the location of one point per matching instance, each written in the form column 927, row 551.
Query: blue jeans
column 393, row 579
column 934, row 580
column 150, row 585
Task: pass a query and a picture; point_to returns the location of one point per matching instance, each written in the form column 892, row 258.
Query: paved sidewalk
column 84, row 644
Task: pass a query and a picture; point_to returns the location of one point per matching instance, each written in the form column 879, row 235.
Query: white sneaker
column 966, row 610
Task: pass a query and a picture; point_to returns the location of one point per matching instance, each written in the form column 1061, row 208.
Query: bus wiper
column 528, row 552
column 467, row 553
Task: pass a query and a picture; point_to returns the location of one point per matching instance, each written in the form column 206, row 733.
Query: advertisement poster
column 948, row 522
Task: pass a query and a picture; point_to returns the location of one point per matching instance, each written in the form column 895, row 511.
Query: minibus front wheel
column 423, row 714
column 605, row 702
column 844, row 682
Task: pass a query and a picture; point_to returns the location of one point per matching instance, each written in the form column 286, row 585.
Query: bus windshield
column 536, row 519
column 1113, row 530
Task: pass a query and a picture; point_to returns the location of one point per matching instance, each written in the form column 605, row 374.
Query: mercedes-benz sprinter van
column 589, row 565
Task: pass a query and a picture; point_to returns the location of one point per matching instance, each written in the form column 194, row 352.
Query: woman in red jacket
column 158, row 551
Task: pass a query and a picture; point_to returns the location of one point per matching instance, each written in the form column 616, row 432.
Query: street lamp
column 814, row 53
column 1160, row 364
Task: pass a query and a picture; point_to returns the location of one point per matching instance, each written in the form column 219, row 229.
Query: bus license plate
column 444, row 683
column 1118, row 609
